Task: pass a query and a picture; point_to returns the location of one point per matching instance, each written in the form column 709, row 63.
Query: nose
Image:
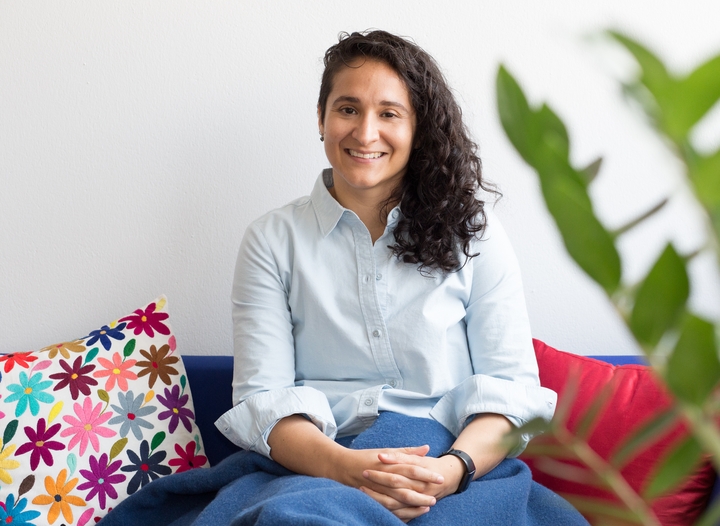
column 366, row 130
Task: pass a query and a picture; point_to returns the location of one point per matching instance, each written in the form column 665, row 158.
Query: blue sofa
column 210, row 378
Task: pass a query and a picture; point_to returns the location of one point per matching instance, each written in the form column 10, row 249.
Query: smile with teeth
column 373, row 155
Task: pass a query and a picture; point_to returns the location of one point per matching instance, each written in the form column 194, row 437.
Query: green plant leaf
column 705, row 177
column 674, row 468
column 129, row 348
column 586, row 240
column 570, row 472
column 598, row 508
column 704, row 174
column 654, row 74
column 696, row 94
column 589, row 419
column 515, row 114
column 541, row 139
column 661, row 106
column 157, row 440
column 711, row 515
column 9, row 432
column 660, row 299
column 556, row 451
column 552, row 132
column 646, row 435
column 693, row 369
column 590, row 172
column 679, row 103
column 535, row 426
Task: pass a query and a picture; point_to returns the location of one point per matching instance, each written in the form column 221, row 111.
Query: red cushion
column 634, row 397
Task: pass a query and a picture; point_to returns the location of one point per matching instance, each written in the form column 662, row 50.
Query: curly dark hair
column 438, row 195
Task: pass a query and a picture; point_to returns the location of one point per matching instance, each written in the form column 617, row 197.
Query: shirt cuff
column 480, row 393
column 249, row 423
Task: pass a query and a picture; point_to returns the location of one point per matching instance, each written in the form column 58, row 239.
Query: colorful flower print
column 87, row 426
column 19, row 358
column 75, row 377
column 130, row 413
column 103, row 334
column 158, row 364
column 176, row 409
column 64, row 348
column 28, row 393
column 14, row 513
column 7, row 463
column 147, row 320
column 100, row 479
column 146, row 467
column 116, row 371
column 39, row 444
column 59, row 498
column 187, row 459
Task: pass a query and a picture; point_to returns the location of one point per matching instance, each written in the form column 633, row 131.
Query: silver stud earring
column 322, row 138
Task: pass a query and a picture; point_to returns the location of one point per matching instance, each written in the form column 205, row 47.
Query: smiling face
column 368, row 128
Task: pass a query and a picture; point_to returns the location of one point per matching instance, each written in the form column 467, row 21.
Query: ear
column 321, row 128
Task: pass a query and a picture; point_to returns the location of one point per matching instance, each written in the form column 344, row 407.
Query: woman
column 389, row 290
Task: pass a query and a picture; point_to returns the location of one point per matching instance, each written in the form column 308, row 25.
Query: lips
column 372, row 155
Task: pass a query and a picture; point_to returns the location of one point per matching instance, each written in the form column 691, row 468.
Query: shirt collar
column 327, row 209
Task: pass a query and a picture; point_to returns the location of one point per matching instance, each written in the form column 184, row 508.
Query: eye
column 389, row 114
column 347, row 110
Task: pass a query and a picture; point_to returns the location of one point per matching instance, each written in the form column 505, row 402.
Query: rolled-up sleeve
column 480, row 393
column 249, row 423
column 506, row 378
column 264, row 388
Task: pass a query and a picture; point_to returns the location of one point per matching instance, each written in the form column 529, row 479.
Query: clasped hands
column 404, row 480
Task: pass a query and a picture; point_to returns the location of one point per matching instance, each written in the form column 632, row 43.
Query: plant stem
column 609, row 475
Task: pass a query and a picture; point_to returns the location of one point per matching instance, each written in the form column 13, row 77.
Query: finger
column 405, row 455
column 410, row 470
column 408, row 514
column 402, row 490
column 401, row 481
column 419, row 451
column 400, row 510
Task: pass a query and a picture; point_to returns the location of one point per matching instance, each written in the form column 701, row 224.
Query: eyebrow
column 355, row 100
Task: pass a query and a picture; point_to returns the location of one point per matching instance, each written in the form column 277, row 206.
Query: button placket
column 371, row 302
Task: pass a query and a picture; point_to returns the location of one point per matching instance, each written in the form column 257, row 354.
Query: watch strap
column 469, row 467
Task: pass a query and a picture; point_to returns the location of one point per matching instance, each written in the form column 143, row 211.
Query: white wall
column 139, row 138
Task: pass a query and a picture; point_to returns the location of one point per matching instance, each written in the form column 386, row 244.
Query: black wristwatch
column 469, row 467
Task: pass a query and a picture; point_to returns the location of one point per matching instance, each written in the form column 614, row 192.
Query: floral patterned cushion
column 87, row 422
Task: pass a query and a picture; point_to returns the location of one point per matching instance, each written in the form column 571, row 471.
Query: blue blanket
column 247, row 488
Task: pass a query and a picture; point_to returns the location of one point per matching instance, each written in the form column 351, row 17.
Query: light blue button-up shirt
column 331, row 326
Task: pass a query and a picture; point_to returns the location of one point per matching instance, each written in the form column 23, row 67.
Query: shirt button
column 393, row 383
column 378, row 277
column 395, row 213
column 368, row 401
column 377, row 333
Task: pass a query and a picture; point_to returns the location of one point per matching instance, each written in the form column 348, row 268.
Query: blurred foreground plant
column 680, row 345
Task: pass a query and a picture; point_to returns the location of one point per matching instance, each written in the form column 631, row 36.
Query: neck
column 368, row 208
